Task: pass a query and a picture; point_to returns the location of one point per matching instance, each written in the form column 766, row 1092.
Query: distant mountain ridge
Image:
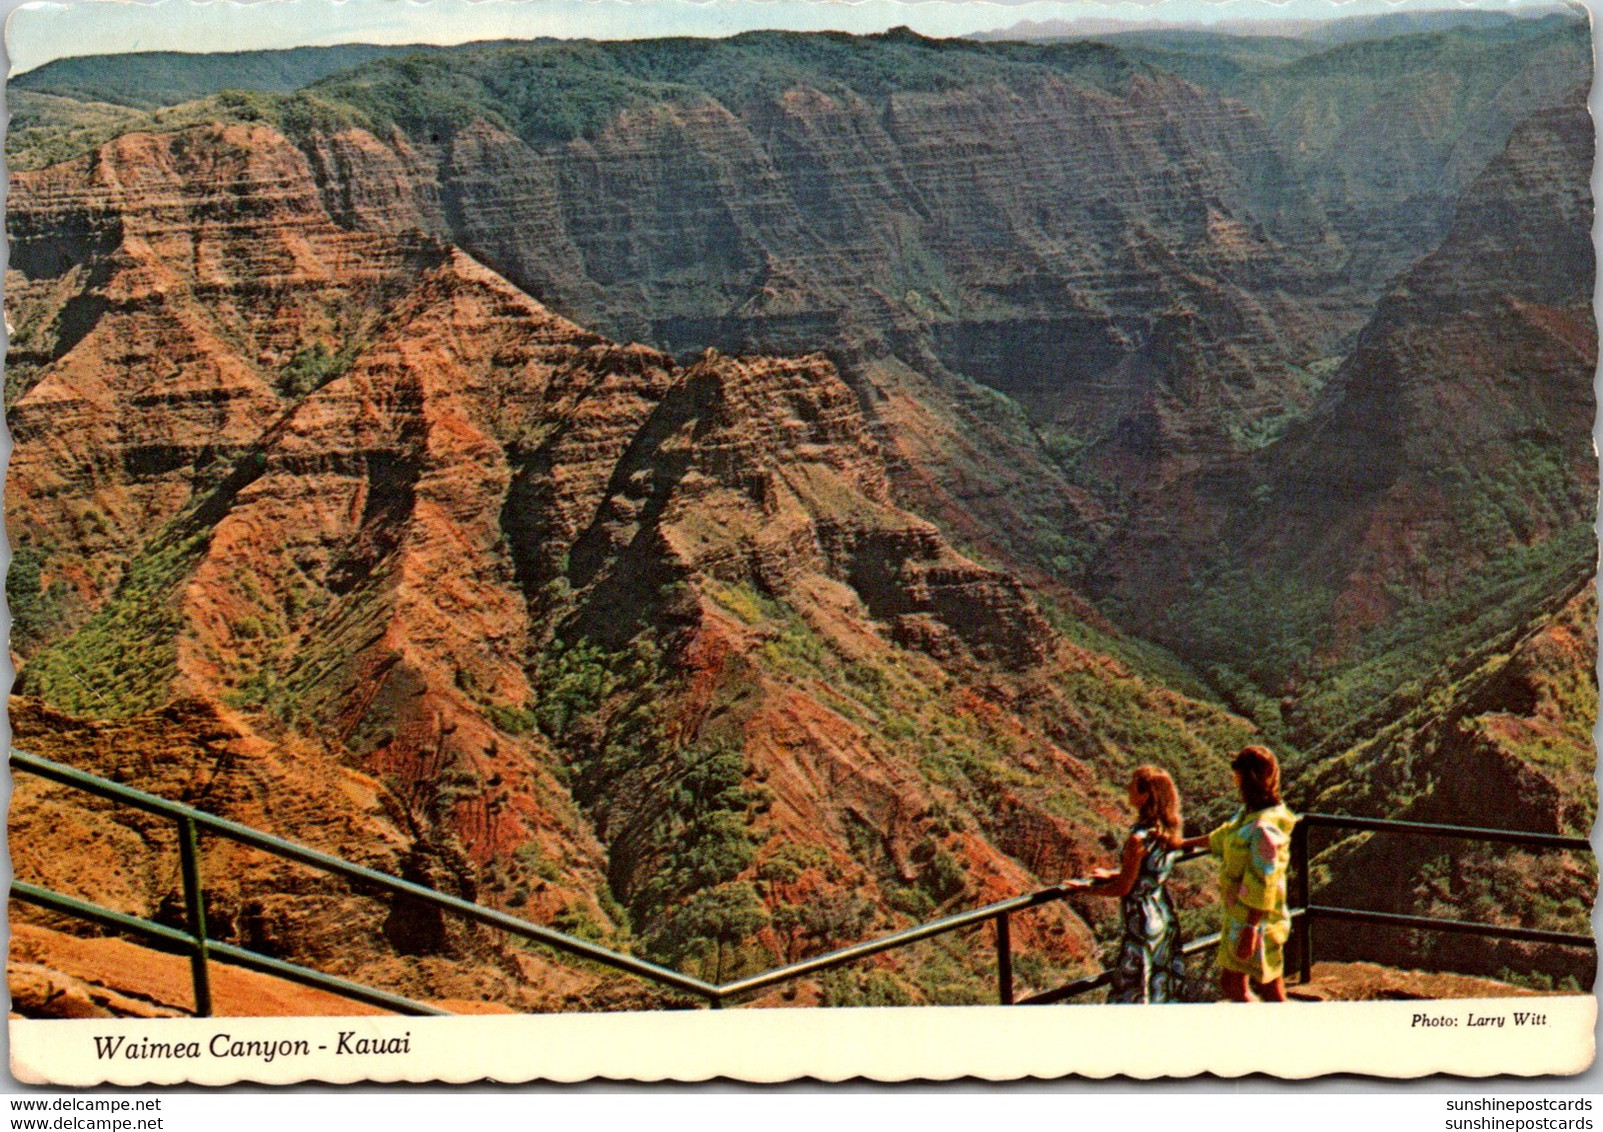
column 1342, row 29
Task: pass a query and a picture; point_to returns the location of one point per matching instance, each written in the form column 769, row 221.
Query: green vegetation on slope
column 145, row 80
column 37, row 606
column 1260, row 634
column 1389, row 670
column 677, row 816
column 122, row 660
column 46, row 128
column 67, row 130
column 1500, row 738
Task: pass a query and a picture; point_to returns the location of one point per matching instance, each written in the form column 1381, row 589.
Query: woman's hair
column 1160, row 802
column 1260, row 777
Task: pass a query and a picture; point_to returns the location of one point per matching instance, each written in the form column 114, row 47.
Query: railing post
column 195, row 910
column 1305, row 923
column 1004, row 960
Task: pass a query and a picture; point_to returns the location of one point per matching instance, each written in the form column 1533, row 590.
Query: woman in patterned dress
column 1150, row 966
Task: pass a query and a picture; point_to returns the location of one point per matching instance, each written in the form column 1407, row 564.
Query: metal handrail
column 893, row 941
column 1314, row 913
column 200, row 947
column 71, row 906
column 191, row 819
column 1435, row 829
column 999, row 912
column 1432, row 923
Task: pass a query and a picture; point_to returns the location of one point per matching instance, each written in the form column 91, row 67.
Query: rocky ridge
column 1504, row 742
column 1152, row 246
column 379, row 511
column 1444, row 461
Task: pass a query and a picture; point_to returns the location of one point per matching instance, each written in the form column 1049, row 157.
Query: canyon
column 730, row 498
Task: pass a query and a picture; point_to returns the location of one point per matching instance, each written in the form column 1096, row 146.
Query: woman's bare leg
column 1272, row 991
column 1234, row 986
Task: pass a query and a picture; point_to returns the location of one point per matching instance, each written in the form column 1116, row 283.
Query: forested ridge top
column 147, row 80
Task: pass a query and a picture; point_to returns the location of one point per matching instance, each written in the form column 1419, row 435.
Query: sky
column 39, row 32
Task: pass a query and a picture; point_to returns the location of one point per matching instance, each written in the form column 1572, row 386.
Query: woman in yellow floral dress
column 1254, row 851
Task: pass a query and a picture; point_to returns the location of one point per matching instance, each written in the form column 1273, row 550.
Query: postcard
column 660, row 540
